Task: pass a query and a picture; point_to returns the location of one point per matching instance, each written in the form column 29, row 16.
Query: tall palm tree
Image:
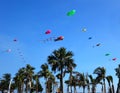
column 4, row 84
column 83, row 81
column 110, row 81
column 67, row 82
column 101, row 74
column 93, row 82
column 19, row 80
column 13, row 87
column 70, row 65
column 37, row 86
column 88, row 82
column 44, row 72
column 58, row 60
column 113, row 89
column 50, row 83
column 29, row 72
column 73, row 82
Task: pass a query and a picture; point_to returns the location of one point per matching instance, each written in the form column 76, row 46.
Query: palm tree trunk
column 83, row 89
column 61, row 81
column 46, row 86
column 113, row 90
column 36, row 87
column 70, row 83
column 93, row 88
column 88, row 89
column 68, row 88
column 75, row 89
column 104, row 86
column 71, row 88
column 102, row 89
column 26, row 87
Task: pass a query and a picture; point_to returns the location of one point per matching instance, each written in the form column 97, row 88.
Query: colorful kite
column 48, row 32
column 59, row 38
column 71, row 13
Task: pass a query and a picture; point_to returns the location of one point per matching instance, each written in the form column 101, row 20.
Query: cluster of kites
column 18, row 50
column 113, row 59
column 71, row 13
column 58, row 38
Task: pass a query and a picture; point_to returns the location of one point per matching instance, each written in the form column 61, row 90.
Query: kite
column 59, row 38
column 107, row 54
column 19, row 52
column 71, row 13
column 84, row 29
column 9, row 50
column 114, row 59
column 15, row 40
column 90, row 38
column 48, row 32
column 98, row 44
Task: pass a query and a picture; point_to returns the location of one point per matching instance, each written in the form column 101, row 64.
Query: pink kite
column 48, row 32
column 114, row 59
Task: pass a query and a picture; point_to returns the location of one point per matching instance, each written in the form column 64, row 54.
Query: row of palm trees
column 60, row 62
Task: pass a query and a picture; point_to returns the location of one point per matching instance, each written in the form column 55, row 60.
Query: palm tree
column 4, row 84
column 83, row 81
column 73, row 82
column 113, row 89
column 69, row 69
column 101, row 72
column 109, row 83
column 37, row 86
column 13, row 87
column 29, row 72
column 93, row 82
column 50, row 83
column 44, row 72
column 19, row 80
column 58, row 60
column 67, row 82
column 88, row 82
column 118, row 75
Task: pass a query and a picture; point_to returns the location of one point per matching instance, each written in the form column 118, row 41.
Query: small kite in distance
column 98, row 44
column 9, row 50
column 59, row 38
column 48, row 32
column 71, row 13
column 15, row 40
column 114, row 59
column 107, row 54
column 84, row 29
column 90, row 38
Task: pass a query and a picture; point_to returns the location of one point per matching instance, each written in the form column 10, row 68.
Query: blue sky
column 27, row 21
